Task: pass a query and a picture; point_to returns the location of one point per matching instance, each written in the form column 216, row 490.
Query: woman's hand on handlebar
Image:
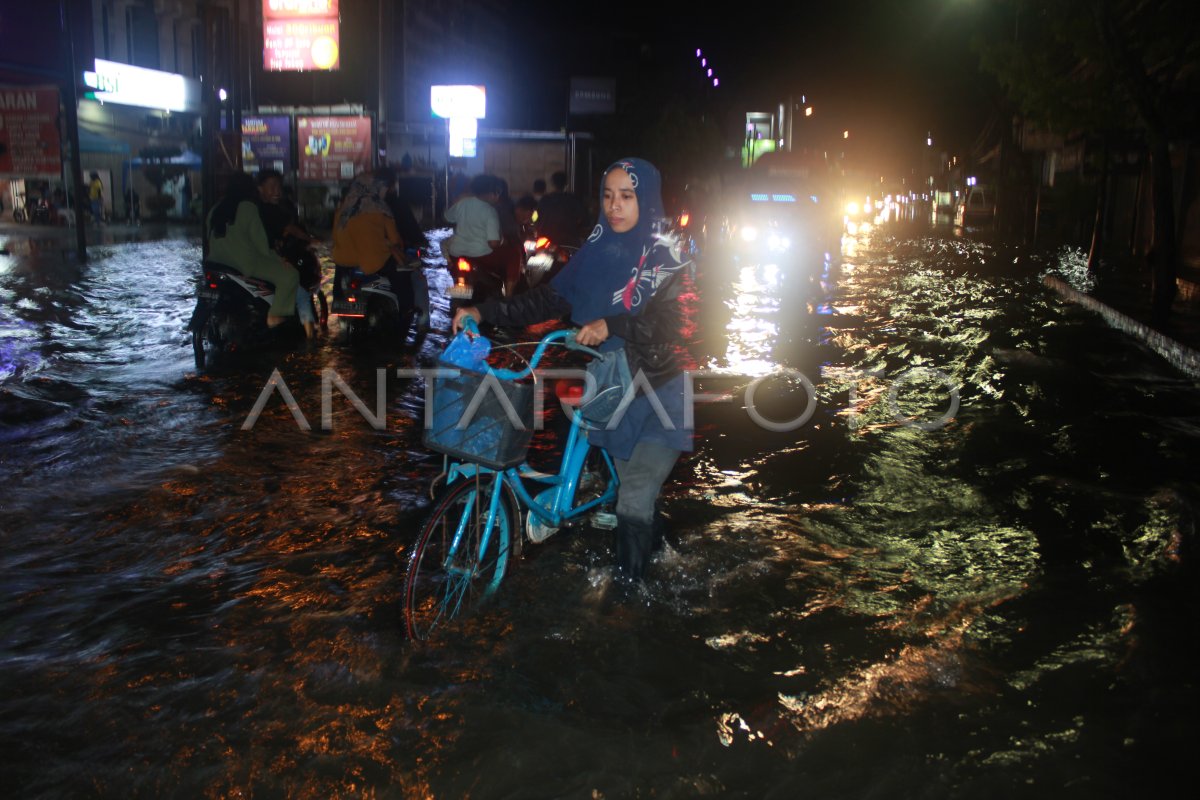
column 592, row 333
column 465, row 311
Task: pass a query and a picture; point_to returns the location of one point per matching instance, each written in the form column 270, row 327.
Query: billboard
column 333, row 149
column 267, row 143
column 300, row 35
column 29, row 143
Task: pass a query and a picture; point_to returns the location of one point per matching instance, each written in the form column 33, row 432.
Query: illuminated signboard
column 267, row 143
column 463, row 106
column 458, row 101
column 300, row 35
column 333, row 148
column 127, row 85
column 29, row 144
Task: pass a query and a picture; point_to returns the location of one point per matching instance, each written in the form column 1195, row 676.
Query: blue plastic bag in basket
column 468, row 352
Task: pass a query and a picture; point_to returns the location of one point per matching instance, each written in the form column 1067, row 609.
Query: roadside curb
column 1182, row 357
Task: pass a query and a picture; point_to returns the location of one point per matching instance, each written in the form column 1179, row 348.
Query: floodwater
column 968, row 572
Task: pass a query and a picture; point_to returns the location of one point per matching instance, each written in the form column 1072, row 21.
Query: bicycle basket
column 479, row 418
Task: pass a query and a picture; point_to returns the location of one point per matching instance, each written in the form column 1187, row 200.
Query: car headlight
column 749, row 233
column 779, row 243
column 852, row 208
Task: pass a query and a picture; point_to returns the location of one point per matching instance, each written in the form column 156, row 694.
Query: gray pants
column 642, row 477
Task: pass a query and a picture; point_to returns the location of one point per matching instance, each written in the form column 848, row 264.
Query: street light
column 845, row 134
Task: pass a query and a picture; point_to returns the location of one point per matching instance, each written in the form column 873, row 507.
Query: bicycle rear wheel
column 452, row 568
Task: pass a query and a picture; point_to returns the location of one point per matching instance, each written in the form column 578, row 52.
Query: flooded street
column 968, row 573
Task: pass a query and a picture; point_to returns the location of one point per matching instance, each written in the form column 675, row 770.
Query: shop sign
column 333, row 149
column 29, row 142
column 300, row 35
column 127, row 85
column 593, row 96
column 267, row 143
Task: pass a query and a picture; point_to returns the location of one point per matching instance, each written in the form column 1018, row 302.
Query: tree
column 1105, row 66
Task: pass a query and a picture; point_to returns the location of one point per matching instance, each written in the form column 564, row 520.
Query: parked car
column 976, row 208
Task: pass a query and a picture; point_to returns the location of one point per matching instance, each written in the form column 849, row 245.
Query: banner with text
column 300, row 35
column 29, row 143
column 333, row 148
column 267, row 143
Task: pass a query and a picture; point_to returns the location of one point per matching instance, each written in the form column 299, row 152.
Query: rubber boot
column 634, row 540
column 660, row 532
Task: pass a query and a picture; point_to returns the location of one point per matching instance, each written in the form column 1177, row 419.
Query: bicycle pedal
column 536, row 531
column 604, row 520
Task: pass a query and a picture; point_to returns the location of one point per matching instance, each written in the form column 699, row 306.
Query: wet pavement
column 968, row 573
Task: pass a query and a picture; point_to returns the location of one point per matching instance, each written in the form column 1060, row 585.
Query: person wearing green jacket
column 237, row 238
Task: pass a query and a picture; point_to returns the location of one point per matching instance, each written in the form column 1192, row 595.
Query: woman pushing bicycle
column 623, row 288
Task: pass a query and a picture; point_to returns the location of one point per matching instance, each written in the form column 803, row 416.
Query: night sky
column 887, row 71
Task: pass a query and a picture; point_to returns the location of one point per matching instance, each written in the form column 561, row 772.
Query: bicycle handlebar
column 567, row 337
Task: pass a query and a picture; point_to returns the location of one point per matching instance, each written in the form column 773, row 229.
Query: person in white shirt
column 477, row 233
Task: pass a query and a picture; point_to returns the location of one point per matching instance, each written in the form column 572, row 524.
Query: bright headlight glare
column 749, row 233
column 852, row 208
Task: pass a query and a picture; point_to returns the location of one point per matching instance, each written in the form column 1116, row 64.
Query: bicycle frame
column 561, row 509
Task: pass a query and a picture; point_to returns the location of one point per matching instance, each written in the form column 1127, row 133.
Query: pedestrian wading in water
column 622, row 288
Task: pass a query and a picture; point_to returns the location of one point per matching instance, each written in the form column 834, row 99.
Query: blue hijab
column 616, row 273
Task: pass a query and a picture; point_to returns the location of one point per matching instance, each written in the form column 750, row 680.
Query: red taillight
column 464, row 265
column 542, row 242
column 211, row 280
column 353, row 284
column 683, row 220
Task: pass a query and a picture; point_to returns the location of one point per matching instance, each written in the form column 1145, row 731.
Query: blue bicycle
column 482, row 421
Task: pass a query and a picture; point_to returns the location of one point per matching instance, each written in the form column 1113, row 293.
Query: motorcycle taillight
column 211, row 280
column 464, row 265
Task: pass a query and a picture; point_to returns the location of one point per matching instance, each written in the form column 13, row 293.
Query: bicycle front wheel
column 459, row 560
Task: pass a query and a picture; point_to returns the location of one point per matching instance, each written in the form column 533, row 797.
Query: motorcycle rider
column 365, row 235
column 478, row 235
column 562, row 217
column 237, row 238
column 290, row 240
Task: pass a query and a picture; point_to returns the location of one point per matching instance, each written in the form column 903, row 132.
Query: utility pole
column 70, row 101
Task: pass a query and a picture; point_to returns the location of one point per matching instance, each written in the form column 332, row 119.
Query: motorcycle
column 472, row 285
column 36, row 212
column 231, row 312
column 367, row 304
column 543, row 260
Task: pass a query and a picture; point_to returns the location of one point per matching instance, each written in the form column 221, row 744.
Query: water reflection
column 214, row 610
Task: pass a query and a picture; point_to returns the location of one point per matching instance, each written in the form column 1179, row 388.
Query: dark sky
column 887, row 70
